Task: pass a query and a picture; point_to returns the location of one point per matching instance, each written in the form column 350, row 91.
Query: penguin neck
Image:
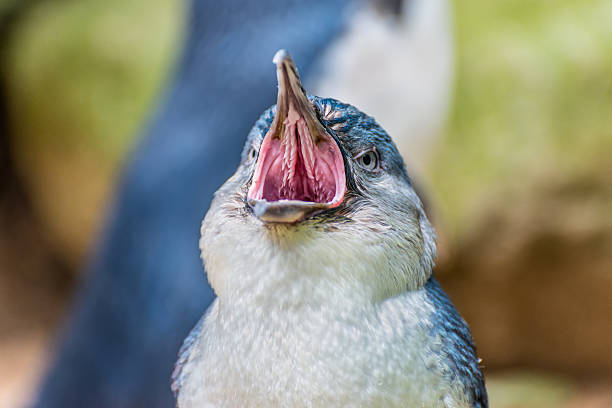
column 303, row 269
column 287, row 279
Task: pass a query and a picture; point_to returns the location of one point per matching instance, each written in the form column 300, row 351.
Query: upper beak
column 291, row 93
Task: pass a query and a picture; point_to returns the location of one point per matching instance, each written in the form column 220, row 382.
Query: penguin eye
column 369, row 160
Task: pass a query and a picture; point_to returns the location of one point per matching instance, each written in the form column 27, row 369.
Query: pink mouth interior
column 293, row 167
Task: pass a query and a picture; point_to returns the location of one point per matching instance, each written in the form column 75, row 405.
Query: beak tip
column 281, row 56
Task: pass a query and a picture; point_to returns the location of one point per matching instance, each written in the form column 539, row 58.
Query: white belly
column 382, row 356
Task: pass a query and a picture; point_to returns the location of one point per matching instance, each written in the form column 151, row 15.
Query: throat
column 296, row 282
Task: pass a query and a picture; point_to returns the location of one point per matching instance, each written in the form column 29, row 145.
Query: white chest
column 378, row 356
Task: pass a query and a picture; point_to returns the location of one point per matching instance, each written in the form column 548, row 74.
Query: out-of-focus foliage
column 522, row 181
column 81, row 78
column 6, row 5
column 533, row 99
column 528, row 390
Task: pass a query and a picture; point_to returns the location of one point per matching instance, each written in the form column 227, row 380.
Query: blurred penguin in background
column 396, row 62
column 144, row 288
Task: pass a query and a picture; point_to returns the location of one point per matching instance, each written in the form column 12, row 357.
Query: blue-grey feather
column 458, row 348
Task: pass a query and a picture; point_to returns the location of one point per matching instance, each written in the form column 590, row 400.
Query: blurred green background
column 520, row 182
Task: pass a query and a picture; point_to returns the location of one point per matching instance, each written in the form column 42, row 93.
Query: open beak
column 300, row 168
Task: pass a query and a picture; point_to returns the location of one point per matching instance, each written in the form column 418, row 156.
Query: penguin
column 321, row 256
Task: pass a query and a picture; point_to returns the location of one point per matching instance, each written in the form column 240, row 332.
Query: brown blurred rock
column 34, row 282
column 594, row 397
column 533, row 276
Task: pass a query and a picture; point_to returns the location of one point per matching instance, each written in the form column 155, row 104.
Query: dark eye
column 368, row 160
